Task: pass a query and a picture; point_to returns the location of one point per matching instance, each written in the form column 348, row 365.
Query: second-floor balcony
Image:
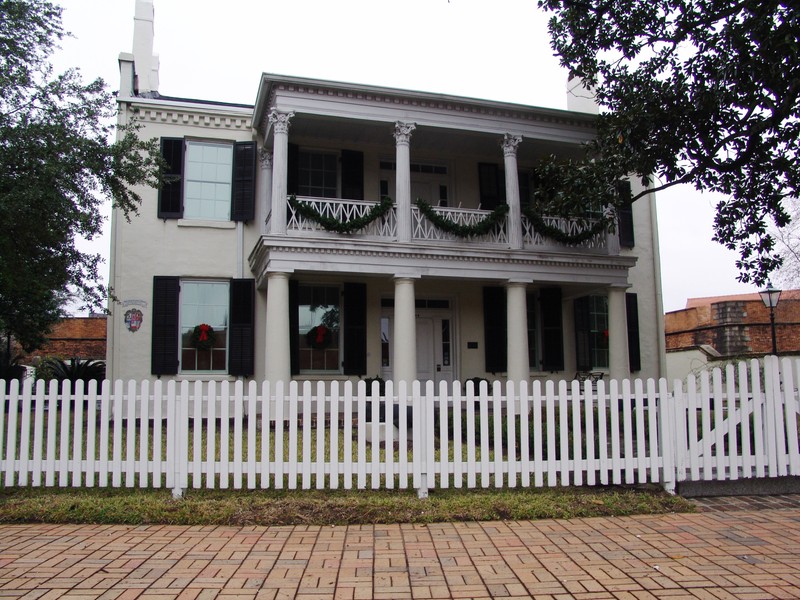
column 424, row 231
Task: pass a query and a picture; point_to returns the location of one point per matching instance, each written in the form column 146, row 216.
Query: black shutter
column 294, row 326
column 552, row 329
column 166, row 328
column 583, row 341
column 625, row 214
column 293, row 169
column 241, row 328
column 494, row 329
column 243, row 195
column 352, row 175
column 634, row 348
column 492, row 186
column 170, row 194
column 355, row 328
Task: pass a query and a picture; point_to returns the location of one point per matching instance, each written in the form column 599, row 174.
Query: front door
column 435, row 360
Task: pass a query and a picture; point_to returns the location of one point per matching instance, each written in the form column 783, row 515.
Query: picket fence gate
column 721, row 425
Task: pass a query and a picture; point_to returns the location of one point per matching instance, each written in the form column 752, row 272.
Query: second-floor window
column 317, row 174
column 207, row 180
column 207, row 194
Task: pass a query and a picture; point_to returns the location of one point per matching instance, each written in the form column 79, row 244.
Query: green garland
column 331, row 224
column 480, row 228
column 556, row 234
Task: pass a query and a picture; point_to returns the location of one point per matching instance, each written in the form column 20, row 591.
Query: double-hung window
column 319, row 315
column 207, row 180
column 204, row 326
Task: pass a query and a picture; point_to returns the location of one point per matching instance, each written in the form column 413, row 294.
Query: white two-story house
column 289, row 242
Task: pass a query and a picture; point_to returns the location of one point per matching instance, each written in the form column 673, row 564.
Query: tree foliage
column 59, row 162
column 700, row 92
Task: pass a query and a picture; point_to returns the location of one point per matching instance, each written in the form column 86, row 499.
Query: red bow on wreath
column 321, row 332
column 204, row 329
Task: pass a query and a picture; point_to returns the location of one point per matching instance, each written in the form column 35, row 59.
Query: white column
column 404, row 336
column 517, row 332
column 510, row 143
column 619, row 365
column 402, row 136
column 277, row 341
column 265, row 190
column 280, row 169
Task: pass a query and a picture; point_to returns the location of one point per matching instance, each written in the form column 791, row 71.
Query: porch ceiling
column 425, row 141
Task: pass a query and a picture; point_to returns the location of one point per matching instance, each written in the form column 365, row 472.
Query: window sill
column 206, row 224
column 192, row 377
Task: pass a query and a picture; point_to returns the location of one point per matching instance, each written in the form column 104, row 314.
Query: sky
column 218, row 50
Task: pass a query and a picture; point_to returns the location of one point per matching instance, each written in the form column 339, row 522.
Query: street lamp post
column 770, row 297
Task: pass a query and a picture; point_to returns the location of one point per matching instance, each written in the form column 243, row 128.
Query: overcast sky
column 217, row 51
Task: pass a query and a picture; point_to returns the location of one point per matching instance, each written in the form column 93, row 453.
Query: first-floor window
column 533, row 359
column 318, row 317
column 204, row 325
column 598, row 330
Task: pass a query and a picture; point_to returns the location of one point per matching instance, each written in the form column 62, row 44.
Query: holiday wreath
column 203, row 337
column 319, row 337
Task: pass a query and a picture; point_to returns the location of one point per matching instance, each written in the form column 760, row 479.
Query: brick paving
column 737, row 552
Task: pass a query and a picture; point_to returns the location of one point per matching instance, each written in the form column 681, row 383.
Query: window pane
column 318, row 174
column 318, row 315
column 204, row 303
column 208, row 181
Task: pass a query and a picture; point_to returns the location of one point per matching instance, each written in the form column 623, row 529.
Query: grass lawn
column 325, row 507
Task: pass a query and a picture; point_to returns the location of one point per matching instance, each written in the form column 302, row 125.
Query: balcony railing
column 342, row 210
column 531, row 237
column 423, row 229
column 385, row 227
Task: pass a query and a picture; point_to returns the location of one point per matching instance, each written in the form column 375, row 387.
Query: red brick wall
column 699, row 325
column 76, row 337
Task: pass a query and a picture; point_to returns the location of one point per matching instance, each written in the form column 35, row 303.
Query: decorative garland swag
column 556, row 234
column 447, row 225
column 330, row 224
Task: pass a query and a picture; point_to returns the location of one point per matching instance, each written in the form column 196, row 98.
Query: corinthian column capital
column 402, row 132
column 265, row 157
column 510, row 143
column 280, row 120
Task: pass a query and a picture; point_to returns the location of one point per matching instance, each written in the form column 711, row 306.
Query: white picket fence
column 740, row 423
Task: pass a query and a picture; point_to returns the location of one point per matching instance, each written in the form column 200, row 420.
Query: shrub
column 71, row 370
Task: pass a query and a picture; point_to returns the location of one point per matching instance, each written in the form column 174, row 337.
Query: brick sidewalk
column 741, row 554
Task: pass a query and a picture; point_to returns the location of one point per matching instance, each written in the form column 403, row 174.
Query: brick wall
column 75, row 337
column 736, row 326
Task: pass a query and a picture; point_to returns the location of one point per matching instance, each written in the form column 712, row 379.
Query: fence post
column 177, row 438
column 772, row 407
column 668, row 407
column 423, row 410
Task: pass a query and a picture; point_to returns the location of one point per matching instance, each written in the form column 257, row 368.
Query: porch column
column 618, row 363
column 402, row 136
column 517, row 332
column 510, row 143
column 277, row 353
column 280, row 169
column 404, row 336
column 265, row 191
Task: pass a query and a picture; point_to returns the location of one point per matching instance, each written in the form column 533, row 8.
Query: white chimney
column 580, row 98
column 145, row 62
